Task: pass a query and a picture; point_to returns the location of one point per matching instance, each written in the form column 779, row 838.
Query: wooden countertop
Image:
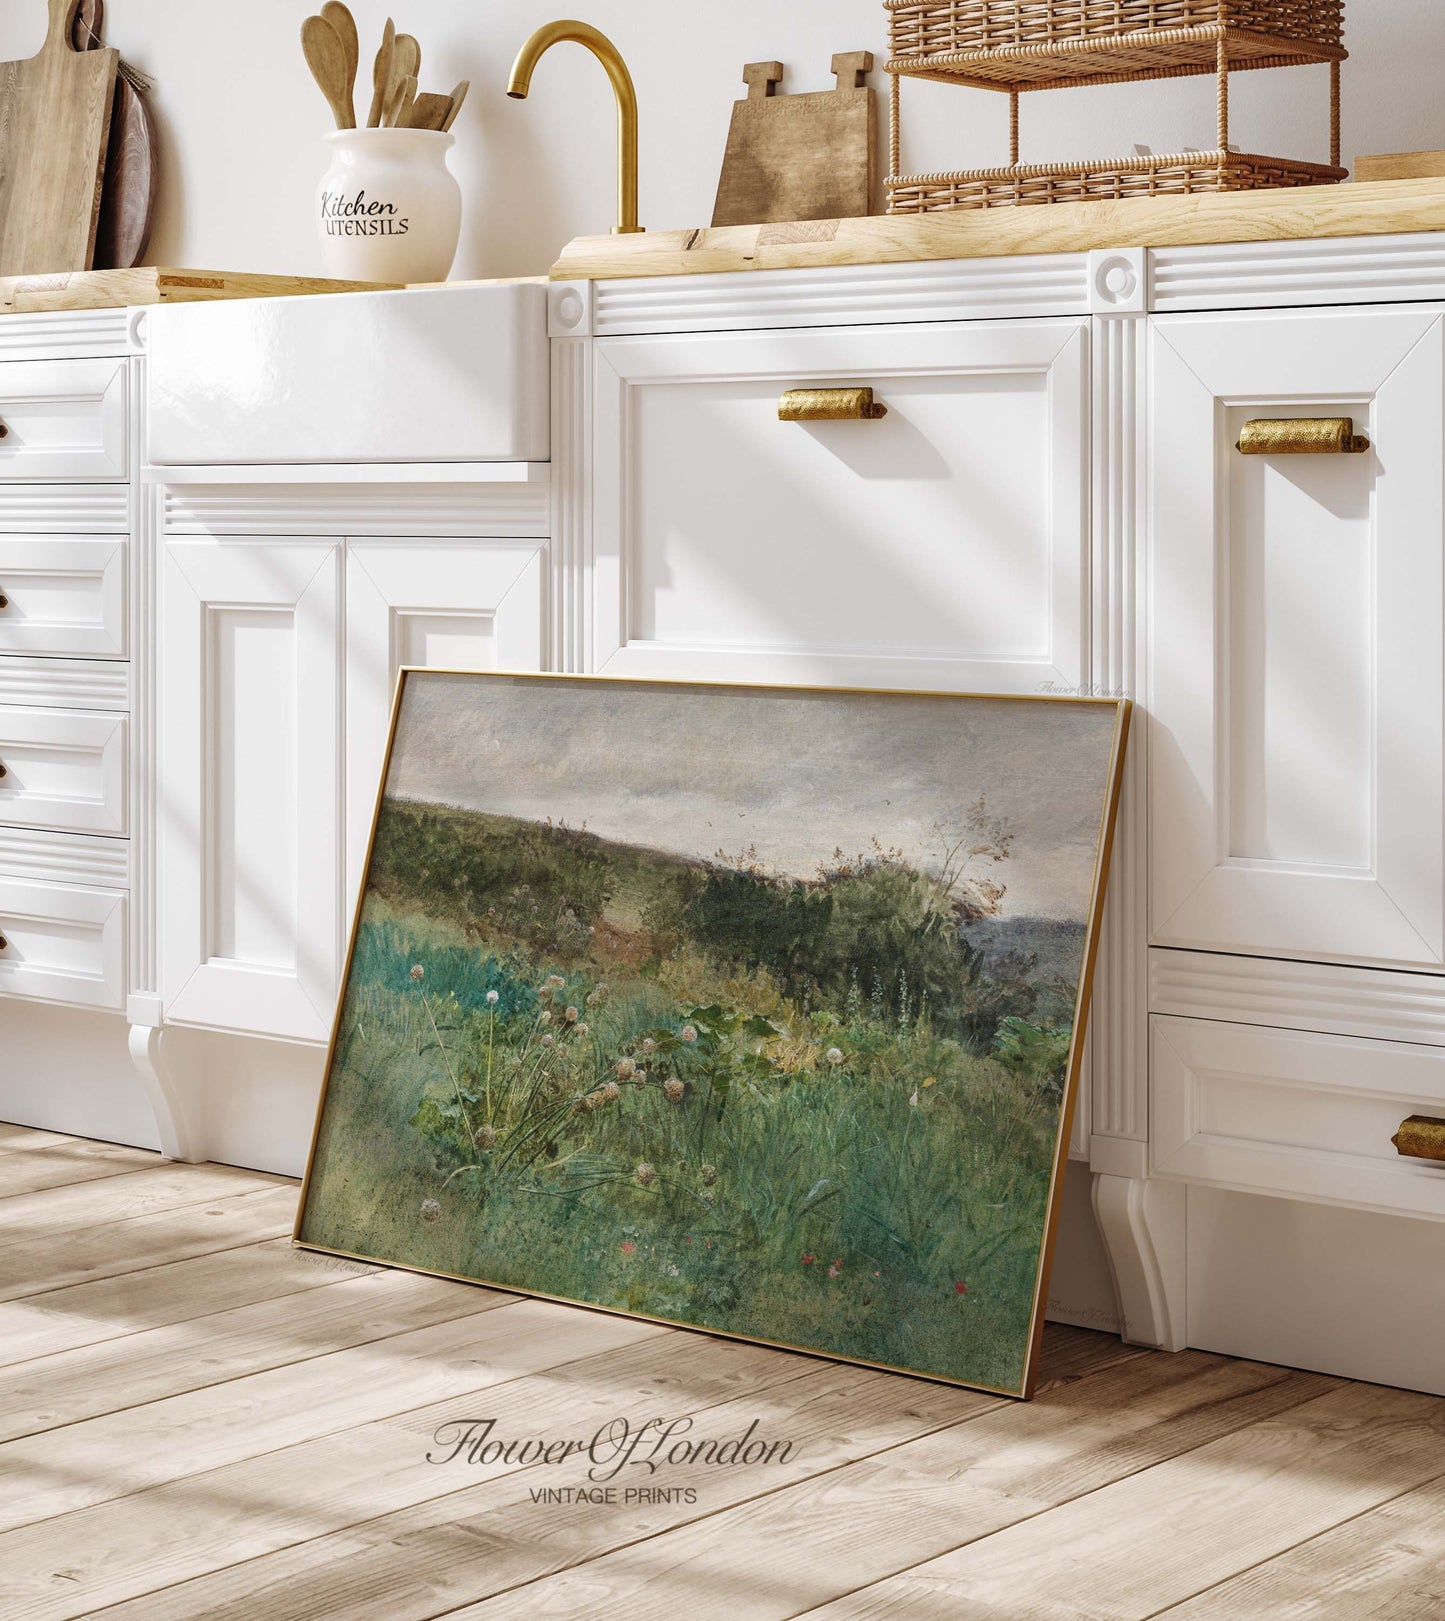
column 1384, row 208
column 119, row 289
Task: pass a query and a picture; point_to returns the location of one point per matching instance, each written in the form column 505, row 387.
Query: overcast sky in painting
column 694, row 770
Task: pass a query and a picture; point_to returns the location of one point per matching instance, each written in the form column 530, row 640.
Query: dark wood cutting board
column 810, row 157
column 55, row 112
column 132, row 167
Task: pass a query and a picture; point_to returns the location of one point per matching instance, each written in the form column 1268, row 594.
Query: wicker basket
column 1174, row 176
column 1019, row 45
column 1028, row 44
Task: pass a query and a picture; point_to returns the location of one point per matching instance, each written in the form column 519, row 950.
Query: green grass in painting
column 810, row 1112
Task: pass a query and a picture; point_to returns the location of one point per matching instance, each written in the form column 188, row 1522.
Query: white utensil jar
column 390, row 209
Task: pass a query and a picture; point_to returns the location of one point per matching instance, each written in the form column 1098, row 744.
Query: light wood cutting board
column 810, row 157
column 55, row 114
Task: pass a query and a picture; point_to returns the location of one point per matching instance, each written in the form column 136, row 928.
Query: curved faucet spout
column 608, row 55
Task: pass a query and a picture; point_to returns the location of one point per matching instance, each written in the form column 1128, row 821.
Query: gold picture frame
column 1108, row 804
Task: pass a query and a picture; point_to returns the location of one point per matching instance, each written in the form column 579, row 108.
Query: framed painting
column 758, row 1011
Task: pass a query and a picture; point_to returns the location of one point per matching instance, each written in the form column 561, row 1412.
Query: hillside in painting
column 820, row 1110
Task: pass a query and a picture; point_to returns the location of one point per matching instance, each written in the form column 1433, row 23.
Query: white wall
column 241, row 120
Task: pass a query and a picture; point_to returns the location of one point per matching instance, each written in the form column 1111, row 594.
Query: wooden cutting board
column 55, row 112
column 132, row 166
column 810, row 157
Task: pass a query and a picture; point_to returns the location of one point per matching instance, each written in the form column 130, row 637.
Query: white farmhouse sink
column 453, row 374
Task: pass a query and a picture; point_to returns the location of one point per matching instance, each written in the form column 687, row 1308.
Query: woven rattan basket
column 1015, row 46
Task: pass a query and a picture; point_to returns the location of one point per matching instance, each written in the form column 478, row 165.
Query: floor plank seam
column 1177, row 1605
column 1024, row 1519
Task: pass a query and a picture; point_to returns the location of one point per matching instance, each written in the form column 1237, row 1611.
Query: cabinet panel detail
column 460, row 607
column 944, row 545
column 250, row 786
column 1294, row 1113
column 66, row 419
column 63, row 596
column 1297, row 738
column 62, row 944
column 63, row 770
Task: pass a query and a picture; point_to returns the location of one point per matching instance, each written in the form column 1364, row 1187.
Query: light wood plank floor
column 197, row 1420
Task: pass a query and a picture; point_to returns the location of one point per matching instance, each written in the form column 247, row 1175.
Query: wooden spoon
column 459, row 95
column 381, row 76
column 407, row 63
column 399, row 108
column 344, row 23
column 326, row 57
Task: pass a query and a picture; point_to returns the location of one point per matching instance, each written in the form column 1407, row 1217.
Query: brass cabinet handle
column 4, row 431
column 1421, row 1137
column 4, row 602
column 830, row 405
column 1303, row 436
column 3, row 771
column 4, row 943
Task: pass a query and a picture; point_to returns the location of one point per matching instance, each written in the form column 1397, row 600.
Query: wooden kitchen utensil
column 459, row 95
column 55, row 112
column 326, row 57
column 381, row 75
column 429, row 111
column 132, row 166
column 407, row 63
column 344, row 23
column 399, row 107
column 805, row 157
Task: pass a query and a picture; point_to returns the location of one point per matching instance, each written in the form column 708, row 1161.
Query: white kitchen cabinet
column 63, row 769
column 455, row 605
column 1289, row 1111
column 944, row 545
column 64, row 419
column 1296, row 742
column 62, row 943
column 64, row 596
column 250, row 815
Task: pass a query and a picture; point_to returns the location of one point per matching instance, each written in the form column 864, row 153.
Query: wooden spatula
column 326, row 57
column 429, row 111
column 344, row 23
column 459, row 95
column 55, row 112
column 381, row 76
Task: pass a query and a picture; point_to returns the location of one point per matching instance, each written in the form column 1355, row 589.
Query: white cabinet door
column 944, row 545
column 1297, row 755
column 462, row 605
column 250, row 785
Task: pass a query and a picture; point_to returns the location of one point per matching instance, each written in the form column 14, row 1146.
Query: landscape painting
column 754, row 1010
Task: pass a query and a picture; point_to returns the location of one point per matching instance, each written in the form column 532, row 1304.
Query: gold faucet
column 611, row 59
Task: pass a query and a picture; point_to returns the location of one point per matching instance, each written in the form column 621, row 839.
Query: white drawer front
column 63, row 419
column 63, row 596
column 1285, row 1111
column 63, row 770
column 62, row 944
column 428, row 376
column 942, row 546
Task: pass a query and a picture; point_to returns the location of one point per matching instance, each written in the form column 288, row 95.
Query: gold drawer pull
column 4, row 943
column 4, row 431
column 1421, row 1137
column 830, row 405
column 4, row 602
column 1303, row 436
